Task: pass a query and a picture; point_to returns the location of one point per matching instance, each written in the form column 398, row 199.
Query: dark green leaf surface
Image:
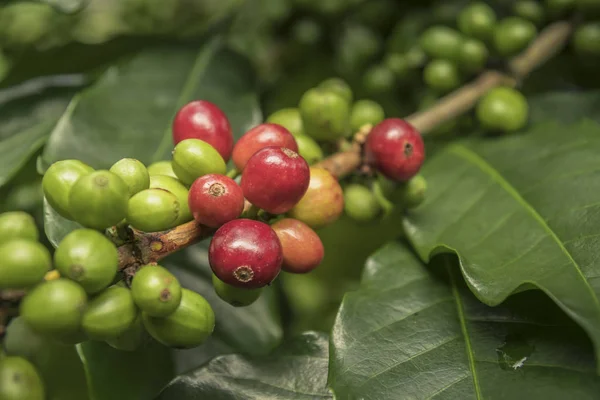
column 520, row 211
column 128, row 112
column 565, row 107
column 296, row 371
column 410, row 334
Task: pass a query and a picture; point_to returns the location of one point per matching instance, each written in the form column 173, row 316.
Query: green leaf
column 296, row 371
column 414, row 333
column 521, row 212
column 66, row 6
column 128, row 112
column 55, row 226
column 565, row 107
column 122, row 375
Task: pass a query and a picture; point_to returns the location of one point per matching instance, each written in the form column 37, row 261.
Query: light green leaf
column 55, row 226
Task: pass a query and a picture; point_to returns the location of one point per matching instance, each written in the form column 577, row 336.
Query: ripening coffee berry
column 586, row 39
column 259, row 137
column 153, row 210
column 441, row 42
column 237, row 297
column 17, row 225
column 325, row 114
column 245, row 253
column 503, row 109
column 203, row 120
column 193, row 158
column 360, row 203
column 54, row 308
column 323, row 202
column 131, row 338
column 473, row 55
column 58, row 182
column 365, row 112
column 289, row 118
column 477, row 20
column 413, row 192
column 24, row 263
column 302, row 248
column 19, row 380
column 109, row 314
column 156, row 291
column 189, row 326
column 531, row 10
column 275, row 179
column 338, row 86
column 441, row 75
column 99, row 200
column 215, row 199
column 512, row 35
column 396, row 149
column 88, row 258
column 161, row 168
column 174, row 186
column 309, row 149
column 134, row 174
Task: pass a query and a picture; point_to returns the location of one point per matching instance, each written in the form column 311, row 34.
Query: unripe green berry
column 360, row 204
column 24, row 263
column 87, row 257
column 58, row 181
column 325, row 114
column 365, row 112
column 17, row 225
column 134, row 174
column 174, row 186
column 512, row 35
column 132, row 338
column 530, row 10
column 473, row 55
column 441, row 75
column 237, row 297
column 156, row 291
column 379, row 79
column 399, row 64
column 54, row 308
column 99, row 200
column 503, row 109
column 189, row 326
column 413, row 191
column 290, row 119
column 193, row 158
column 338, row 86
column 19, row 380
column 586, row 39
column 153, row 210
column 161, row 168
column 477, row 20
column 109, row 314
column 309, row 149
column 441, row 42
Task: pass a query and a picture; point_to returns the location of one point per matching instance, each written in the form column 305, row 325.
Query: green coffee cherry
column 441, row 42
column 399, row 64
column 473, row 55
column 58, row 181
column 512, row 35
column 416, row 57
column 17, row 225
column 24, row 263
column 380, row 194
column 54, row 308
column 88, row 258
column 503, row 109
column 441, row 75
column 413, row 191
column 156, row 291
column 193, row 158
column 559, row 8
column 99, row 200
column 174, row 186
column 134, row 174
column 289, row 118
column 379, row 79
column 237, row 297
column 189, row 326
column 132, row 338
column 109, row 314
column 477, row 20
column 309, row 149
column 338, row 86
column 360, row 204
column 586, row 40
column 325, row 114
column 161, row 168
column 530, row 10
column 25, row 24
column 365, row 112
column 19, row 380
column 153, row 210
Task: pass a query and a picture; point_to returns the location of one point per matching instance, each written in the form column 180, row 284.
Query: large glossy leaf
column 413, row 332
column 55, row 226
column 566, row 107
column 128, row 112
column 296, row 371
column 521, row 212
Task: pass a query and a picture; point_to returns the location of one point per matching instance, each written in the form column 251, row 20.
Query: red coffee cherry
column 245, row 253
column 396, row 149
column 302, row 248
column 215, row 199
column 203, row 120
column 259, row 137
column 275, row 179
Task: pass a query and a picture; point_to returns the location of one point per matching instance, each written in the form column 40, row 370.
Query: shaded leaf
column 66, row 6
column 565, row 107
column 297, row 370
column 55, row 226
column 408, row 333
